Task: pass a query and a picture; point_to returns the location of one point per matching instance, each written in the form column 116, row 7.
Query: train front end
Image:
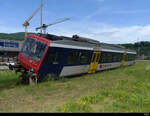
column 30, row 58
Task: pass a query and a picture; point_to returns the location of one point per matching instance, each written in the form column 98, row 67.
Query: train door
column 94, row 62
column 123, row 59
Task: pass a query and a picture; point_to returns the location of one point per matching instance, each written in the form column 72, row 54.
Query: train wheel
column 32, row 80
column 24, row 79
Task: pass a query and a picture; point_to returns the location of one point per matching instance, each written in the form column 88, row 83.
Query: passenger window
column 127, row 57
column 109, row 56
column 84, row 58
column 115, row 58
column 52, row 57
column 93, row 57
column 104, row 58
column 98, row 58
column 72, row 58
column 120, row 56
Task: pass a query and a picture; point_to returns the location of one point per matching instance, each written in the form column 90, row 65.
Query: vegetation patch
column 124, row 89
column 129, row 95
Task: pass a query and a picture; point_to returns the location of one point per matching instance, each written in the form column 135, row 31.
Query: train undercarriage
column 27, row 77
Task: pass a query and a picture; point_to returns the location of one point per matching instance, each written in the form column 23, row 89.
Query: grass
column 124, row 89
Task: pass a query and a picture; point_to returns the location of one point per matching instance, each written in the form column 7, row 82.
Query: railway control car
column 9, row 50
column 66, row 56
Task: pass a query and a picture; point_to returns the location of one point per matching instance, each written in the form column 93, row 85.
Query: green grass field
column 125, row 89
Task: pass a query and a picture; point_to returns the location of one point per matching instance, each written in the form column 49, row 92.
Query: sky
column 109, row 21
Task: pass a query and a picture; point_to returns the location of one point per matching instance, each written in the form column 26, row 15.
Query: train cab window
column 84, row 57
column 72, row 58
column 52, row 57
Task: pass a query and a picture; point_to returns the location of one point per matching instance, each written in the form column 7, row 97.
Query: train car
column 10, row 44
column 67, row 56
column 9, row 50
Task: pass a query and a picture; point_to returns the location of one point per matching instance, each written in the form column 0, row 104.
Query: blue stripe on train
column 9, row 44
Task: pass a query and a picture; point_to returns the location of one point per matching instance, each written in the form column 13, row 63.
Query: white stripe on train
column 86, row 48
column 80, row 69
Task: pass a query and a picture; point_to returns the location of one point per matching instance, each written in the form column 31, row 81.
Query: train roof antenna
column 44, row 26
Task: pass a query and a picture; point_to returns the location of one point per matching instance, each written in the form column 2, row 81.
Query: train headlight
column 32, row 70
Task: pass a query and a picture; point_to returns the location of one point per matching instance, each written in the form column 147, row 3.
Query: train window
column 133, row 57
column 121, row 57
column 93, row 57
column 109, row 57
column 118, row 57
column 98, row 58
column 114, row 58
column 126, row 58
column 129, row 57
column 52, row 57
column 84, row 57
column 104, row 58
column 72, row 58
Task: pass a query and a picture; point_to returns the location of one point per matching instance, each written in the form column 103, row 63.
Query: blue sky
column 110, row 21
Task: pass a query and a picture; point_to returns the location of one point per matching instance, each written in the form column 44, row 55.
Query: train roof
column 77, row 42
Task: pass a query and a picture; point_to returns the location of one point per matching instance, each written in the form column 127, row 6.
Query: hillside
column 13, row 36
column 142, row 47
column 124, row 89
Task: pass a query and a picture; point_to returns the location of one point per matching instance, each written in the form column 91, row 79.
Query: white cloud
column 121, row 34
column 108, row 33
column 102, row 32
